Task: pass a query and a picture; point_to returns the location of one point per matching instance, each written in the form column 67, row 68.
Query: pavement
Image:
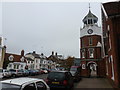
column 101, row 83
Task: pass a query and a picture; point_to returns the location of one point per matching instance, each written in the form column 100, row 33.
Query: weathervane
column 89, row 6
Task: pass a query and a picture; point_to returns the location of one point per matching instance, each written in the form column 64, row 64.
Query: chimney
column 56, row 53
column 34, row 52
column 22, row 53
column 42, row 54
column 52, row 52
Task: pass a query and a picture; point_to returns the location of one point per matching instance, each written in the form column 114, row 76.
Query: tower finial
column 89, row 6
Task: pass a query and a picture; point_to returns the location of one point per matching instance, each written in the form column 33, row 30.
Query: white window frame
column 91, row 54
column 83, row 53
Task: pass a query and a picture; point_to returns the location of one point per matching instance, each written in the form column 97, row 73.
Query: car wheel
column 14, row 75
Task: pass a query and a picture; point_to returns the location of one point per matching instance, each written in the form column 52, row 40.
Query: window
column 11, row 57
column 90, row 41
column 83, row 66
column 89, row 21
column 109, row 59
column 36, row 61
column 108, row 27
column 16, row 66
column 41, row 86
column 91, row 52
column 21, row 66
column 83, row 53
column 30, row 87
column 10, row 66
column 28, row 61
column 82, row 42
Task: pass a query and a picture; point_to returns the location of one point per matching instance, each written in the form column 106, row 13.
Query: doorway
column 92, row 69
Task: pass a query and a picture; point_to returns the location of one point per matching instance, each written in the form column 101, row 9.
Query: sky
column 45, row 26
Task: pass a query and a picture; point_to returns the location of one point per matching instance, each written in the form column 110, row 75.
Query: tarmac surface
column 101, row 83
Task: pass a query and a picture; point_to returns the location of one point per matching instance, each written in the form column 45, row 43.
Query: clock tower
column 90, row 46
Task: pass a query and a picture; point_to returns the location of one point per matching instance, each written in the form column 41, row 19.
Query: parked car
column 24, row 84
column 24, row 72
column 44, row 71
column 60, row 79
column 32, row 72
column 75, row 71
column 15, row 73
column 37, row 72
column 53, row 69
column 4, row 73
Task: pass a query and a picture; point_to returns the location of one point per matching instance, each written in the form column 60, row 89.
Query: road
column 101, row 83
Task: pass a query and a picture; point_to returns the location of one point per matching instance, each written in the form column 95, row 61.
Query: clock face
column 90, row 31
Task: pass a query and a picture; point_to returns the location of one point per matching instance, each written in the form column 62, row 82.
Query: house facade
column 111, row 40
column 14, row 61
column 33, row 60
column 38, row 61
column 57, row 60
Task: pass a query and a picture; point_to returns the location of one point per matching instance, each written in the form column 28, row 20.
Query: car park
column 24, row 83
column 60, row 79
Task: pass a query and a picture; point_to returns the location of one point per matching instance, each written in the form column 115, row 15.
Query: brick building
column 14, row 61
column 111, row 39
column 91, row 47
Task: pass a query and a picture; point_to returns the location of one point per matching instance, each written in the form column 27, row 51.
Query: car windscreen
column 6, row 86
column 73, row 69
column 56, row 75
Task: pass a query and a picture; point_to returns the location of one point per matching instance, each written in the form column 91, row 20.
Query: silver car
column 24, row 84
column 4, row 73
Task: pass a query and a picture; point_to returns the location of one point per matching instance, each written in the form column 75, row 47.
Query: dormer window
column 11, row 57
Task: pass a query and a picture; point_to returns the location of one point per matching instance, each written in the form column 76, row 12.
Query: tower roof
column 90, row 16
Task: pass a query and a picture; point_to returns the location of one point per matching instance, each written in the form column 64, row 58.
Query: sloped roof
column 112, row 8
column 29, row 59
column 89, row 15
column 16, row 57
column 34, row 54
